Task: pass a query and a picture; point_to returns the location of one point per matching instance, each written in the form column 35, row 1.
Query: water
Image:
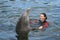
column 10, row 11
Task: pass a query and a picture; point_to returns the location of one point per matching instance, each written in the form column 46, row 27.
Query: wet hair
column 44, row 15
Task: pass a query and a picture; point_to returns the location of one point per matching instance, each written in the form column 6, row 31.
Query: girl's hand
column 41, row 27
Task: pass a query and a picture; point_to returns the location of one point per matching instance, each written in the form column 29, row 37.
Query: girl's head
column 42, row 17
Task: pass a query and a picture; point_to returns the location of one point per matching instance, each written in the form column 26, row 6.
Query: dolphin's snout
column 28, row 10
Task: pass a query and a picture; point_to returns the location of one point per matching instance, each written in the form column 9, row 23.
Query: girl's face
column 42, row 18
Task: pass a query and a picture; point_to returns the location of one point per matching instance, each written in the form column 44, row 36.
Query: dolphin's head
column 28, row 10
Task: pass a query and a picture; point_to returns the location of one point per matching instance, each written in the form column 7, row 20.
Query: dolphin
column 23, row 26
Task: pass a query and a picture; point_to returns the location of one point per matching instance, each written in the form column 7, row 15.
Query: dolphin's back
column 23, row 24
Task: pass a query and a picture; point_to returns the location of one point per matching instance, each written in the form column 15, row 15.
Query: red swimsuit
column 45, row 25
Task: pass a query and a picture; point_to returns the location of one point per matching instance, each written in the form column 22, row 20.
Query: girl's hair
column 44, row 15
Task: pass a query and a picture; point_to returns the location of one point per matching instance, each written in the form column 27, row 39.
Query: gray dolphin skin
column 23, row 26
